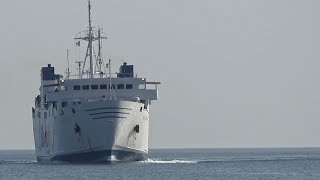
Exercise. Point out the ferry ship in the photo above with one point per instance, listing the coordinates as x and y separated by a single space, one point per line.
95 115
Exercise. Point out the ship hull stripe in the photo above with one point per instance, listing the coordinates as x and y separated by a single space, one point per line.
107 108
108 113
105 117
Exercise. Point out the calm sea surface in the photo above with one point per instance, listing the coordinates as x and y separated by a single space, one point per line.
179 164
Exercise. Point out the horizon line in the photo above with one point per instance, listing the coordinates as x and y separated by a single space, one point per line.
177 148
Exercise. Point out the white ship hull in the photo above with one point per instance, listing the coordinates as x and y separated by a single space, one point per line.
92 116
100 131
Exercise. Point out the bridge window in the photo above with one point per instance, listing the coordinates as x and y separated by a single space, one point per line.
94 87
103 86
85 87
64 104
128 86
113 86
76 87
120 86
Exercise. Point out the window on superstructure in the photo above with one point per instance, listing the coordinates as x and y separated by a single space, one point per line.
103 86
64 104
85 87
128 86
94 87
45 115
39 114
120 86
113 86
77 87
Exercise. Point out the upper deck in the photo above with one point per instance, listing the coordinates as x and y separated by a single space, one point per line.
124 86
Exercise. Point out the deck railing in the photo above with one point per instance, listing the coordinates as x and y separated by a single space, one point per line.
86 75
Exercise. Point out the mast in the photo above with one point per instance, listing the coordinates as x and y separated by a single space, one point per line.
68 69
90 41
111 90
90 35
99 53
79 66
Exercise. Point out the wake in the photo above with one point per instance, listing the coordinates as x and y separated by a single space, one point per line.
174 161
18 162
227 160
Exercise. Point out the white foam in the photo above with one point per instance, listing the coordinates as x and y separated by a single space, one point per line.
174 161
112 158
18 162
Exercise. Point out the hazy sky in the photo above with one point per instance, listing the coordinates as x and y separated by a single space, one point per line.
234 73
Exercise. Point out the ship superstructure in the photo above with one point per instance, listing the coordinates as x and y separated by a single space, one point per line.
93 116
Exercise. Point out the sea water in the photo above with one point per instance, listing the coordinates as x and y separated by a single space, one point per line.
284 163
